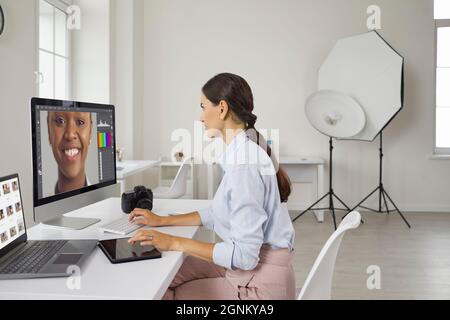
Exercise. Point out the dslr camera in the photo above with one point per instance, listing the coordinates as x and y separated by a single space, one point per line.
140 197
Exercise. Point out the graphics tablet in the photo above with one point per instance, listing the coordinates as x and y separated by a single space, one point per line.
119 250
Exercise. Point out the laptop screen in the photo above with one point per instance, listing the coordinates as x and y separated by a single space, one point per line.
12 224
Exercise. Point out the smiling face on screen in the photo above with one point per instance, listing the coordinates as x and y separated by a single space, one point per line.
69 135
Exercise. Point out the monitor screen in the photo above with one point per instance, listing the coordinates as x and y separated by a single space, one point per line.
73 148
12 224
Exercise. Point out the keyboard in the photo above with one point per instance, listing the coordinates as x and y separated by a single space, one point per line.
120 226
33 257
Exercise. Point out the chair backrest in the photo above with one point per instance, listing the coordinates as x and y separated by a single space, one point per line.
178 187
319 281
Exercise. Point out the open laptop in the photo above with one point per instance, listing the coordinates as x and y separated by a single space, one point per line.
19 258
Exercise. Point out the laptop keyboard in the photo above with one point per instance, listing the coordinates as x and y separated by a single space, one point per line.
33 257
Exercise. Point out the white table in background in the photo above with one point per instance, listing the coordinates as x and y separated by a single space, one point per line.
127 168
306 170
100 279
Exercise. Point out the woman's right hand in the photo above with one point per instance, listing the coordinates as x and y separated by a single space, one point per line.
145 217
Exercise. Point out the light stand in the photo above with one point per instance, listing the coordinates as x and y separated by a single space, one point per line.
330 194
382 192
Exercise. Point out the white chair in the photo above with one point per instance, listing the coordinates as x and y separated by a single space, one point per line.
319 281
178 187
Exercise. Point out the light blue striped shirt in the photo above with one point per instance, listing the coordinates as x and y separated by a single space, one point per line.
246 211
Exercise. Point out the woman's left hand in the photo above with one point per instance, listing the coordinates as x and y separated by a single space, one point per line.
160 241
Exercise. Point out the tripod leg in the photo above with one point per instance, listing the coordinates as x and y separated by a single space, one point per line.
385 202
333 212
359 204
370 209
341 202
310 208
404 219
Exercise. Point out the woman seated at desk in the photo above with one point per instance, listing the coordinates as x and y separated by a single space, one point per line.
254 261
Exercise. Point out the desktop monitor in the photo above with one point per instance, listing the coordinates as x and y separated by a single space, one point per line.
74 159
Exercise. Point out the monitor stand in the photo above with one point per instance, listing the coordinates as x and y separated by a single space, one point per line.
71 223
53 213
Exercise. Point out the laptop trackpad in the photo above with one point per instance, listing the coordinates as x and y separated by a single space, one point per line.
67 258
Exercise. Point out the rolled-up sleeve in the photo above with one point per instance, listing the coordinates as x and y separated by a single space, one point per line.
245 193
207 218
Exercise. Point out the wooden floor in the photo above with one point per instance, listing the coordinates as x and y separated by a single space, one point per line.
414 263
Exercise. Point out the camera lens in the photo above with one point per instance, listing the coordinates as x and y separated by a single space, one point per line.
128 201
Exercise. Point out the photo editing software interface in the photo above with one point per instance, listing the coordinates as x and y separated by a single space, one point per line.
74 148
12 224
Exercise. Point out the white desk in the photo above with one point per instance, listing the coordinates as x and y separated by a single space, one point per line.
306 170
128 168
100 279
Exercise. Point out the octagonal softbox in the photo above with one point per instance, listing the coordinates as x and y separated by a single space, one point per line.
369 70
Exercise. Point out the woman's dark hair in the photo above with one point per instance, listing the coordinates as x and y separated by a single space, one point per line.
236 92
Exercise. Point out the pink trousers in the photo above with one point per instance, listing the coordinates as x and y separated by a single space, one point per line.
272 279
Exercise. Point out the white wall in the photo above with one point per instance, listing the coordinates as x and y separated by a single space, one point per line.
278 47
91 52
122 70
127 81
17 86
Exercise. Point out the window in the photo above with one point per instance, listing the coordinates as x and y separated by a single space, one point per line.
442 17
54 57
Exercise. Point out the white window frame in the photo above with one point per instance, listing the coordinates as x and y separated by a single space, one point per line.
439 23
63 6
